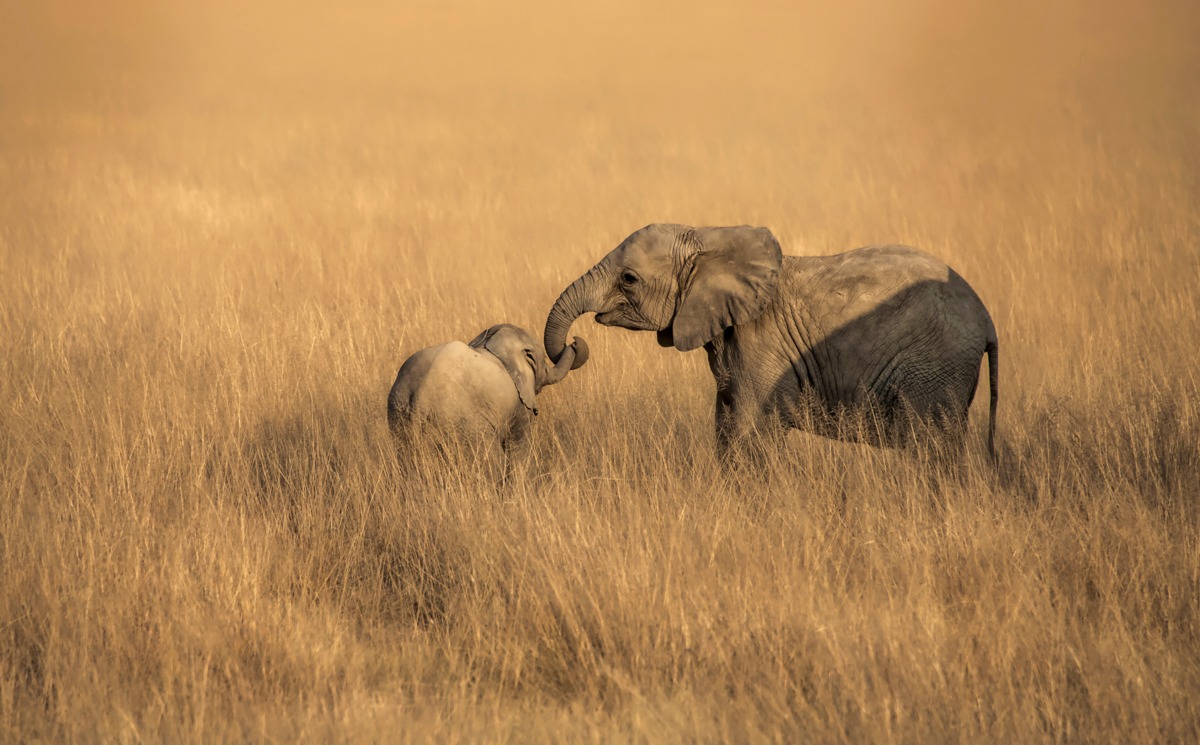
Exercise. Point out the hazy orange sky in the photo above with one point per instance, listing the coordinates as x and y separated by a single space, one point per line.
931 52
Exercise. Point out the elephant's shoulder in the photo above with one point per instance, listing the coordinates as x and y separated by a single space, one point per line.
894 253
895 265
452 351
890 264
458 360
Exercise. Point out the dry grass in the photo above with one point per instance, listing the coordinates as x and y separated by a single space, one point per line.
222 231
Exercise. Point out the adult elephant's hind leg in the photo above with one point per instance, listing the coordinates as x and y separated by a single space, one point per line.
931 410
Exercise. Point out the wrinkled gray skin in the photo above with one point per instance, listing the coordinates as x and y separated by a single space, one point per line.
484 392
798 342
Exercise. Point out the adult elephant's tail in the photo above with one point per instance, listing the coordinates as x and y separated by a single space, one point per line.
993 352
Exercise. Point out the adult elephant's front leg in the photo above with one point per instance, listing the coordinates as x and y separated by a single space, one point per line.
743 434
724 429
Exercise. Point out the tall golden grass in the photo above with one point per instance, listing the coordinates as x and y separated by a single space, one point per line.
222 230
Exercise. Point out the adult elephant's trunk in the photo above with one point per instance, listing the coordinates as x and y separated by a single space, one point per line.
572 358
582 296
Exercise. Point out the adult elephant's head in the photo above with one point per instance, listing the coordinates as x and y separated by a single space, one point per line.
688 284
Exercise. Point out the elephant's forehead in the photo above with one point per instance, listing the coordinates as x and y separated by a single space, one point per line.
646 255
509 332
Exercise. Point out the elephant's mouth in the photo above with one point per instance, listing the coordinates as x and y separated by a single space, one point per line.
619 317
625 318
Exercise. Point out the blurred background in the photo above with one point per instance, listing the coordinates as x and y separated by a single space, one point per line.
543 133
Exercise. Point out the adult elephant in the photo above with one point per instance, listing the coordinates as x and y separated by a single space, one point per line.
885 331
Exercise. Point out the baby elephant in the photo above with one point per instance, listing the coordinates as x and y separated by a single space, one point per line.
484 392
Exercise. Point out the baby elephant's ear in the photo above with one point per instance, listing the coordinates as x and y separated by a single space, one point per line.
509 348
734 274
480 341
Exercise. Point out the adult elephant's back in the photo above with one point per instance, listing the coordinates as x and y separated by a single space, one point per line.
894 325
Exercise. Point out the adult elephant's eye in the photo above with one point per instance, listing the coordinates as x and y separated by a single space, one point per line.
629 279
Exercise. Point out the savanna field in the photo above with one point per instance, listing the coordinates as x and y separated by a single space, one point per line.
223 229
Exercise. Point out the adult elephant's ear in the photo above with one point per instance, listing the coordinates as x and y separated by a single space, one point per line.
732 277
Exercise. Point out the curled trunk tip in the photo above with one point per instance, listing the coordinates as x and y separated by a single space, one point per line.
572 358
581 352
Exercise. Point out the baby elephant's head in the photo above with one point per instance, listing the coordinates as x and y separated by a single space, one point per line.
525 359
